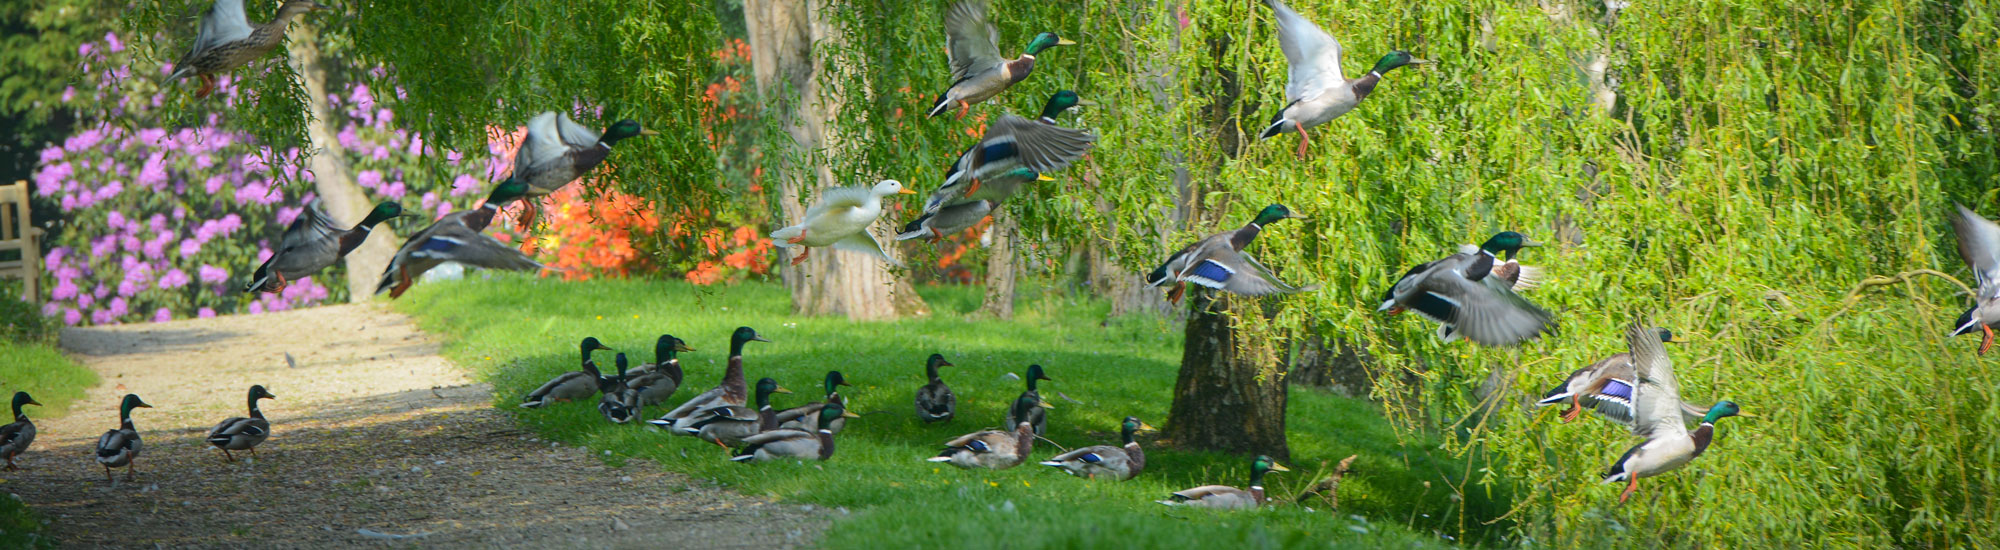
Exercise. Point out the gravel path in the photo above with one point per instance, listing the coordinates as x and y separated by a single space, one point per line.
377 441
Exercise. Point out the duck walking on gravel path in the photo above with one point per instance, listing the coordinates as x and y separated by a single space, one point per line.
243 434
16 437
120 447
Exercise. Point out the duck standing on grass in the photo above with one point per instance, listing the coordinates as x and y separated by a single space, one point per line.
1219 262
226 40
732 390
656 382
935 402
120 447
1225 497
1458 293
243 434
794 444
557 151
572 385
1979 246
1657 404
990 449
1119 463
978 72
457 237
17 436
1036 411
1318 91
311 243
841 220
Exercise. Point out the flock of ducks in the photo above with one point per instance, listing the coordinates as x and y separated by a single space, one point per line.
1472 295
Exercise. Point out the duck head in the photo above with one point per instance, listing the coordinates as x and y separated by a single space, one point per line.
508 191
624 129
765 387
667 347
885 188
1507 242
1273 213
743 335
1045 41
384 211
1394 60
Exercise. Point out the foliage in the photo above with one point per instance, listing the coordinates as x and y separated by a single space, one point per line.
591 237
1103 373
21 526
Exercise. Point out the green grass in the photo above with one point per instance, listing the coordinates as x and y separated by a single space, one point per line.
29 361
517 332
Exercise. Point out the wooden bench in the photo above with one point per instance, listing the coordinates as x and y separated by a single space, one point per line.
19 234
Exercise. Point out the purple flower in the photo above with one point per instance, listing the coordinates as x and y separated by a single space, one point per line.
368 179
127 288
154 174
360 95
158 223
347 139
204 313
53 177
202 162
380 153
50 154
211 274
112 43
256 308
213 184
71 317
163 315
189 248
115 219
253 192
464 185
430 199
395 191
103 246
174 279
84 49
69 94
384 116
64 290
286 214
155 248
55 258
101 317
51 309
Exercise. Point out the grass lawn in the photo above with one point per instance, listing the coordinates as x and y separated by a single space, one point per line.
519 331
29 361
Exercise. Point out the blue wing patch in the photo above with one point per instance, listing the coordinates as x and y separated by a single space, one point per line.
443 245
1000 149
1435 307
1091 458
1209 273
978 446
1617 388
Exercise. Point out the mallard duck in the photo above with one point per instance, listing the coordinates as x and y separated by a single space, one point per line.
1219 262
990 449
935 402
1457 291
226 40
557 151
1657 405
311 243
1119 463
456 238
569 386
1318 91
120 447
615 400
727 425
841 220
1979 246
949 220
1012 152
794 444
803 416
730 392
655 382
1036 413
978 72
16 437
243 434
1606 388
1226 497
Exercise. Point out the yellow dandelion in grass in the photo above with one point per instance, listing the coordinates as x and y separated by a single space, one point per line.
600 317
934 470
991 483
1024 483
635 316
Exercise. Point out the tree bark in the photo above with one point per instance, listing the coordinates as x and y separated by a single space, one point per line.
333 180
999 300
1330 362
1226 399
796 86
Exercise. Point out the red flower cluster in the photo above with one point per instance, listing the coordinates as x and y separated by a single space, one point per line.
586 237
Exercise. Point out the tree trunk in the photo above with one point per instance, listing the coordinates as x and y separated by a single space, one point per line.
1225 399
1330 362
999 300
345 201
804 97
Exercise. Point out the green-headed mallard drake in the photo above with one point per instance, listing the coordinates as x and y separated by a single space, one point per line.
948 220
732 391
802 417
1457 291
990 449
1226 497
572 385
840 219
978 72
1119 463
17 436
655 382
120 447
1979 246
311 243
727 425
1657 405
457 237
935 402
243 434
1036 415
794 444
1219 262
615 401
557 151
226 40
1012 152
1318 91
1605 387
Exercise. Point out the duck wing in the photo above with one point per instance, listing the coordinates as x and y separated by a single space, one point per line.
224 22
971 42
1313 54
1657 403
1979 246
1484 311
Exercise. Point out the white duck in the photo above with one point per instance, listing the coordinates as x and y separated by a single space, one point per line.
841 220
